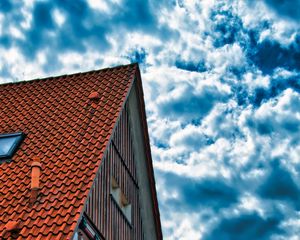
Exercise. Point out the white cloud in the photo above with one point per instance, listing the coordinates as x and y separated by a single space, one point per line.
15 62
229 55
185 228
250 203
99 5
59 17
15 32
255 80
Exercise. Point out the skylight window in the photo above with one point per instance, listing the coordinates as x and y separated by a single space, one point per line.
9 144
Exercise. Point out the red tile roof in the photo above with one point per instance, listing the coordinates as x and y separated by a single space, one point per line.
68 127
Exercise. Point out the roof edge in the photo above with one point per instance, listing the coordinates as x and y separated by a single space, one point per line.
28 81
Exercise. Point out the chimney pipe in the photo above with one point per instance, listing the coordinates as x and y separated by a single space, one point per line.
11 230
35 179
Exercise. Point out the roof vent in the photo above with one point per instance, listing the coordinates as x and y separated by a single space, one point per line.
11 230
35 179
94 96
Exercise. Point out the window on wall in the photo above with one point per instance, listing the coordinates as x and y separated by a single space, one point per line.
87 230
120 199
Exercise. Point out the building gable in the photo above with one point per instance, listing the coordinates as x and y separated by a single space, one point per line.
126 164
68 128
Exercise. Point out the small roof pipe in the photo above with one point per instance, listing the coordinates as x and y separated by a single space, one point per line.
11 230
35 179
94 96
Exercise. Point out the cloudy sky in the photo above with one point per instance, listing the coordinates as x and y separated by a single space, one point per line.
222 90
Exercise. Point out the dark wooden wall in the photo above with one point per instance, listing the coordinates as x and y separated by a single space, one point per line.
118 163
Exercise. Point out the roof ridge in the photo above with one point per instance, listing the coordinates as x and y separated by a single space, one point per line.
68 74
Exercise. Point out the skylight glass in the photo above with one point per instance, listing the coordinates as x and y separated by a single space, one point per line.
9 144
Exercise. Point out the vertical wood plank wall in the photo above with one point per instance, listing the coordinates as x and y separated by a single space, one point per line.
118 163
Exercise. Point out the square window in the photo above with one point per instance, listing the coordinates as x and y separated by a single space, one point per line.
9 144
121 200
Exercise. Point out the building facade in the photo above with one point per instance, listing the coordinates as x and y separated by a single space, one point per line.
81 167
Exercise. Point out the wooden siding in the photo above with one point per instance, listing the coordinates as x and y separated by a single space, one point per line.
101 207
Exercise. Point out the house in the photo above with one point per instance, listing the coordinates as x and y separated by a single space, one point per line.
75 159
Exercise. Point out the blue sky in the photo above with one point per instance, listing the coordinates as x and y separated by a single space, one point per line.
222 90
